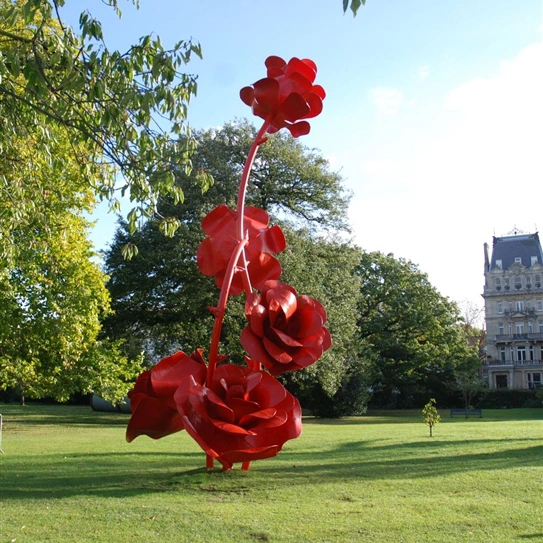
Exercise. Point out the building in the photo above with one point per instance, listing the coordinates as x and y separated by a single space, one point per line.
513 297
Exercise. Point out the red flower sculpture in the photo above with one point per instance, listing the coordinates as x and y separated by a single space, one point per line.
214 252
154 412
240 413
287 94
286 331
243 415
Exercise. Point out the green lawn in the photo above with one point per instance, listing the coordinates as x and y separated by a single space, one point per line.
69 476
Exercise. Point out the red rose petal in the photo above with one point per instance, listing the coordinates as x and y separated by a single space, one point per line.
154 419
276 352
267 92
254 347
299 129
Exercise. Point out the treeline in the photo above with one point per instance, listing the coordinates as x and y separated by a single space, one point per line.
397 340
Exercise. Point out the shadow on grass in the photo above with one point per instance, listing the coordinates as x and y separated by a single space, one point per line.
129 474
75 416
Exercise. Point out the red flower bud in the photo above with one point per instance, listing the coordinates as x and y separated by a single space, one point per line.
286 331
288 94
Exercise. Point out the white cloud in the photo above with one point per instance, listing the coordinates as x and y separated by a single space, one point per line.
386 100
472 169
423 72
379 167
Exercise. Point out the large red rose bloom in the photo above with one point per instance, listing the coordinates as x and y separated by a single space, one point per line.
286 332
243 415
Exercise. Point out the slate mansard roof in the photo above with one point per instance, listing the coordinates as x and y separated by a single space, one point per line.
509 248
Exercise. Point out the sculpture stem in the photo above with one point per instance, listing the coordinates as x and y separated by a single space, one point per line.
238 253
240 208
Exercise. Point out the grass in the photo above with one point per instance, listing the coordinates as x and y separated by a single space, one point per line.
69 476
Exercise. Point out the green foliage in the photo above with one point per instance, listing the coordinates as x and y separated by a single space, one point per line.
325 269
410 331
128 108
160 298
53 296
354 5
469 381
430 416
52 291
507 399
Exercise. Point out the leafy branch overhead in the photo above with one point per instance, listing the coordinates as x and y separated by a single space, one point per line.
354 5
128 107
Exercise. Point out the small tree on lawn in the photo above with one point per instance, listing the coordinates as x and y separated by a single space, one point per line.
430 415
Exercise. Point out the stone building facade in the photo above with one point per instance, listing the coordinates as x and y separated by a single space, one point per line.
513 296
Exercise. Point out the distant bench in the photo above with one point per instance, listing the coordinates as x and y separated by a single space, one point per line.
462 412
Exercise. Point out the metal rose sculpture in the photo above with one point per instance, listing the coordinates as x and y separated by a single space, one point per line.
243 413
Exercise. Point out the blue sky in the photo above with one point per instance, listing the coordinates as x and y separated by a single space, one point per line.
433 115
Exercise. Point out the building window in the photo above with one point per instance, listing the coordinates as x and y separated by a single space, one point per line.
528 282
534 380
499 306
541 330
506 283
532 353
521 354
539 305
519 305
500 329
501 381
530 327
538 281
499 264
519 328
518 260
502 354
509 328
533 260
518 282
498 283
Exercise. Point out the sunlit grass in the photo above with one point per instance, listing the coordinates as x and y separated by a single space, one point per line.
69 476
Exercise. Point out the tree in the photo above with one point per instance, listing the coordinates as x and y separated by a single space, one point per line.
52 291
469 382
128 108
160 298
162 290
325 268
430 415
410 331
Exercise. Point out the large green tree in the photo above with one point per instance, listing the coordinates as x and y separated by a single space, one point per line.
160 298
52 291
128 108
412 333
